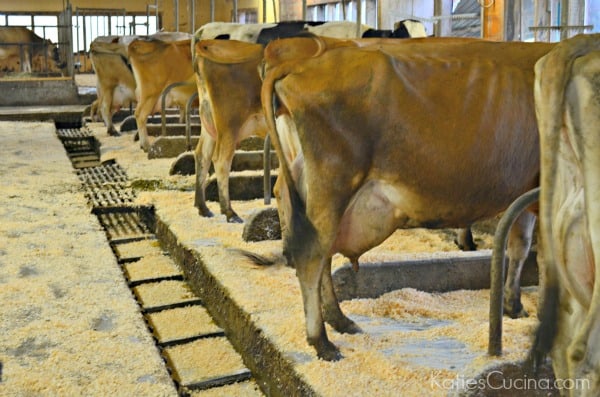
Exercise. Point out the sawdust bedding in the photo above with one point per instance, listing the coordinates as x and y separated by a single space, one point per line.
380 360
375 362
68 325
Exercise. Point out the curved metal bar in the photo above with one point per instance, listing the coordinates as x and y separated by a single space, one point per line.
497 267
163 104
188 122
267 170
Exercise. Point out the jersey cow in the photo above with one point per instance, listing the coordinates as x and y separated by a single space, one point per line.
21 50
115 83
157 62
568 110
229 95
415 135
228 80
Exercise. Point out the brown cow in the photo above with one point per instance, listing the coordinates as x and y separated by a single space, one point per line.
230 111
115 82
424 134
239 111
157 63
567 104
21 50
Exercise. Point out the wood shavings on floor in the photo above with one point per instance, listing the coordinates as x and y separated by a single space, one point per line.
69 325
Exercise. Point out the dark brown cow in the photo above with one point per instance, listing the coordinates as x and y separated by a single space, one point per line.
423 134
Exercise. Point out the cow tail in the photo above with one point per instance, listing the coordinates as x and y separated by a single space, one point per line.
550 82
259 260
302 233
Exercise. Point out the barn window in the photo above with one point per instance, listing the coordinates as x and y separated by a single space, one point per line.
247 15
592 15
335 11
91 23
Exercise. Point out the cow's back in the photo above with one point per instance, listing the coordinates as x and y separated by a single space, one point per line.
18 34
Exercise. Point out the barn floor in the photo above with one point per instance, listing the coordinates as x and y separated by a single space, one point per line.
70 324
414 343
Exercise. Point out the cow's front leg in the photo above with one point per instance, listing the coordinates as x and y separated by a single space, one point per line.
202 158
519 243
332 312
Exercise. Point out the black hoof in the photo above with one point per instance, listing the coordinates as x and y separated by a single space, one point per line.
234 219
205 212
515 310
345 326
328 351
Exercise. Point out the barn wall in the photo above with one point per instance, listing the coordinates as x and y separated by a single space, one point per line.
202 14
201 9
58 5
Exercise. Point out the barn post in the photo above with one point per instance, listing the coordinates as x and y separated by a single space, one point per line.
304 10
192 6
442 26
65 38
176 7
512 20
492 19
358 18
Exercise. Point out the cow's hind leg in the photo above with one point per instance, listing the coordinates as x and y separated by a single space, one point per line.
331 308
309 259
142 111
106 111
310 276
223 157
202 157
519 243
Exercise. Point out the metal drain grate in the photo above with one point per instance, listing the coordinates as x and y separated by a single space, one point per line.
108 173
106 185
129 229
81 146
124 225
